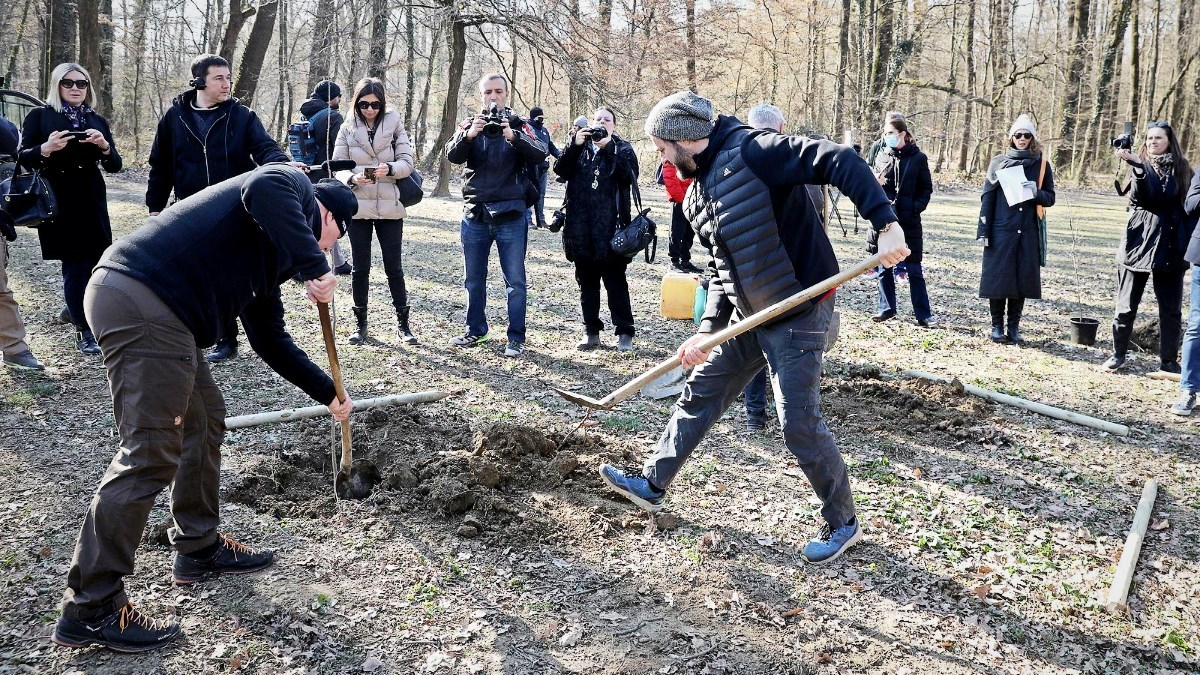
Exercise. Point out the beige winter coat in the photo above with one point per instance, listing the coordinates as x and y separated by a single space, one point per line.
379 200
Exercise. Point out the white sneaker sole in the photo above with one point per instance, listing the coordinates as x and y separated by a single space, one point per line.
641 503
853 540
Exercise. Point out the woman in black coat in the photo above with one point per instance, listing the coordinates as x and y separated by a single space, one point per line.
1010 233
903 171
1153 244
65 140
600 174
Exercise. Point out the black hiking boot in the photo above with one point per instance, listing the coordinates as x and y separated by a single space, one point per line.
86 342
359 336
406 334
229 558
222 351
998 335
125 630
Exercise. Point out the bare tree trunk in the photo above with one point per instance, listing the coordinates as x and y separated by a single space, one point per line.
322 44
944 151
379 25
233 30
1180 110
246 84
964 147
15 50
1077 27
839 97
689 8
458 56
63 26
410 76
284 81
881 59
1100 100
423 112
1132 113
1001 23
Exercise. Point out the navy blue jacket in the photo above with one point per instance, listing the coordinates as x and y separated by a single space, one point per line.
8 138
223 252
182 161
497 171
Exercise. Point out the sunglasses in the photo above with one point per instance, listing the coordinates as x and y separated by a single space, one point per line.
1021 135
73 84
370 105
1158 125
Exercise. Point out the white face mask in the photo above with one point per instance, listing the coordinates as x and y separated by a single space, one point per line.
891 141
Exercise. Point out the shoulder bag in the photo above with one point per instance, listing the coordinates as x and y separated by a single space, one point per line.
28 200
1041 216
639 235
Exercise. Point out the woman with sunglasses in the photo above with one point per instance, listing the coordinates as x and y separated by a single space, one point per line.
65 140
1153 243
375 139
1010 233
601 174
903 172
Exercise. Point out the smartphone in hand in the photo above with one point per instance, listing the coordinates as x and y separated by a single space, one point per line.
369 172
78 135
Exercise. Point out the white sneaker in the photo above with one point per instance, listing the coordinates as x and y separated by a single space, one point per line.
514 349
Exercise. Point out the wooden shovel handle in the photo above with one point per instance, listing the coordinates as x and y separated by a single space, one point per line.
335 371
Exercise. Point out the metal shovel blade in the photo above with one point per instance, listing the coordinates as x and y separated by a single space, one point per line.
586 401
359 482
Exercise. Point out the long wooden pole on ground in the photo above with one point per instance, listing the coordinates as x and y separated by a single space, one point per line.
1119 593
1032 406
243 421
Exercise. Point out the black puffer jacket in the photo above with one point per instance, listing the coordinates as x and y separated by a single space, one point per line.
182 161
598 197
223 252
762 251
909 186
497 170
1158 230
1012 258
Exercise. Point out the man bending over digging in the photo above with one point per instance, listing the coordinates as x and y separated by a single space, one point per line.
761 254
157 297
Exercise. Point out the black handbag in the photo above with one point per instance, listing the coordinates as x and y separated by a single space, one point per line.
28 200
639 235
410 189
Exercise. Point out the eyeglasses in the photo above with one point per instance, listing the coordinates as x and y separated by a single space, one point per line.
1022 136
370 105
73 84
1158 125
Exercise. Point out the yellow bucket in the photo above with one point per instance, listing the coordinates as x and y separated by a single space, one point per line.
679 294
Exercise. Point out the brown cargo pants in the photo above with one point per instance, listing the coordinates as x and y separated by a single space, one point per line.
12 330
171 420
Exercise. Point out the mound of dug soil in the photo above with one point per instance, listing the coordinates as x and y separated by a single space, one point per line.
917 404
430 462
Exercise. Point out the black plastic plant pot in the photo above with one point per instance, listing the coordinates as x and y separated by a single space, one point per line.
1083 330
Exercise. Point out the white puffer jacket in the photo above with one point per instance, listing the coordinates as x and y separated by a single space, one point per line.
379 200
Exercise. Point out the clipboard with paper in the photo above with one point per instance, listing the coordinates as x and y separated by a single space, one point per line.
1012 181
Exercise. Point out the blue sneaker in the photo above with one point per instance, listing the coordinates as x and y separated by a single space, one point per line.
830 544
634 487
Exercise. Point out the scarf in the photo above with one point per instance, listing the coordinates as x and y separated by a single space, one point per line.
77 115
1011 157
1164 164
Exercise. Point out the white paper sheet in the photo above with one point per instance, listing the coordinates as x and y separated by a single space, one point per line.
1010 180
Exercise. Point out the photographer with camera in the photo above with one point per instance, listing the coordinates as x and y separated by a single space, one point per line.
500 152
69 142
601 169
537 119
1153 243
1010 232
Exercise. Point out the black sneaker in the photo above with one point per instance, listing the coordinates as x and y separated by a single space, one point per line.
1171 367
756 422
343 270
223 351
23 361
86 343
125 630
1114 363
229 558
686 267
884 316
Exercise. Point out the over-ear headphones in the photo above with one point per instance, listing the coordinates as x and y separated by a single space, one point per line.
198 83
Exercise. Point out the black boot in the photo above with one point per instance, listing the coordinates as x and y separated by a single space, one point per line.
997 310
359 336
406 335
1015 307
85 341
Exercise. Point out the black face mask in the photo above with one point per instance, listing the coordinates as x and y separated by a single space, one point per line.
537 124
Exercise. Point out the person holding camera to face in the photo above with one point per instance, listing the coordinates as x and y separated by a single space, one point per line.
1010 232
500 152
1153 243
601 169
205 137
375 139
69 142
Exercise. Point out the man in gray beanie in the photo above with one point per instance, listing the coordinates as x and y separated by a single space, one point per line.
762 252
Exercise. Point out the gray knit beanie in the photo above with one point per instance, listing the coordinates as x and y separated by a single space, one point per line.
682 116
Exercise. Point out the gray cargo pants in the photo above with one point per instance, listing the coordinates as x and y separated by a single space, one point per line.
171 420
792 348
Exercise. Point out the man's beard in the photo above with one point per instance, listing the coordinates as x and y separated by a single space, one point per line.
685 164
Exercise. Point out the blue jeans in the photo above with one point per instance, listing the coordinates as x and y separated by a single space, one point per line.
1190 379
916 287
755 395
511 237
793 347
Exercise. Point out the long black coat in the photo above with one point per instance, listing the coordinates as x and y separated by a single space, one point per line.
81 231
1012 259
599 196
1157 233
909 186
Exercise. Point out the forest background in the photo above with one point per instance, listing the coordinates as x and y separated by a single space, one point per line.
961 69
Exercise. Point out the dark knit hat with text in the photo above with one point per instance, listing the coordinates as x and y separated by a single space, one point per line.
682 116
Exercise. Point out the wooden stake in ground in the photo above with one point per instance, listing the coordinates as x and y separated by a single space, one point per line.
1119 593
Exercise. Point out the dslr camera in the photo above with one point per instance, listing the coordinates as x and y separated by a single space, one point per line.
1125 140
598 133
495 119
